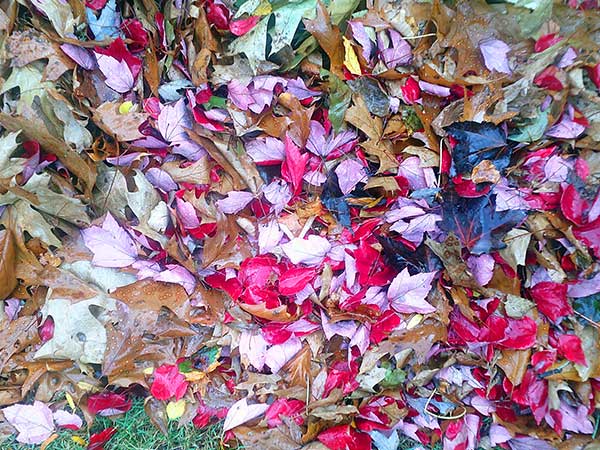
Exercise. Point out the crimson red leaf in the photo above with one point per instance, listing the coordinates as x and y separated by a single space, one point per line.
294 280
551 299
344 437
242 26
168 383
108 403
569 346
284 407
573 206
294 166
97 440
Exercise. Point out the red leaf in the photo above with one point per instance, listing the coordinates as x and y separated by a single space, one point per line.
532 392
551 299
388 321
283 407
242 26
573 206
411 92
466 188
108 403
96 5
294 280
590 235
292 169
168 383
547 79
97 440
569 346
342 375
520 333
46 330
134 30
217 14
118 50
343 437
594 74
546 41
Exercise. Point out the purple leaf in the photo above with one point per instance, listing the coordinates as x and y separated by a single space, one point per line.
161 179
266 150
359 33
349 172
83 57
235 202
399 52
111 245
279 354
117 73
407 292
33 422
566 127
494 53
482 268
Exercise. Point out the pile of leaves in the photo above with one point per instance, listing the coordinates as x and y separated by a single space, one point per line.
329 225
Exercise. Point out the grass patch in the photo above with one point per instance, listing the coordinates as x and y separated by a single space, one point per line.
134 432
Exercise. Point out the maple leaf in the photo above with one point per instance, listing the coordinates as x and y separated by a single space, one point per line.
477 223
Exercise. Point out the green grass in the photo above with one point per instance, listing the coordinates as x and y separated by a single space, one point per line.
135 432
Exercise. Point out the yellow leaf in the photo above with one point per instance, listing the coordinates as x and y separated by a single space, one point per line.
194 375
70 401
79 441
148 371
125 107
175 409
350 58
263 9
414 321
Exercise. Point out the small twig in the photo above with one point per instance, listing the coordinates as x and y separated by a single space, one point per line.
438 416
594 323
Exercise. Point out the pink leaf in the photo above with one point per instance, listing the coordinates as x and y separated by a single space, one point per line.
294 166
111 245
168 383
235 202
407 292
33 422
307 251
242 26
118 74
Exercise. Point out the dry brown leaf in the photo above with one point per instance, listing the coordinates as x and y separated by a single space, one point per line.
297 370
123 126
8 253
76 163
329 38
514 364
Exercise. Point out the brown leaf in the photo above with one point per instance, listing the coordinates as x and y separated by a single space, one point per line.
299 127
237 164
514 364
196 173
329 38
16 336
152 72
123 126
297 370
265 438
77 164
8 254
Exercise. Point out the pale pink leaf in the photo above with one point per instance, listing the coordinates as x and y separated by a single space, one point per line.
235 202
280 354
407 292
310 251
111 245
495 53
482 268
33 422
349 172
118 74
66 419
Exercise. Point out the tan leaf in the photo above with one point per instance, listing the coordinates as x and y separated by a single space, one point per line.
8 278
69 157
297 369
329 38
196 173
123 126
514 364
